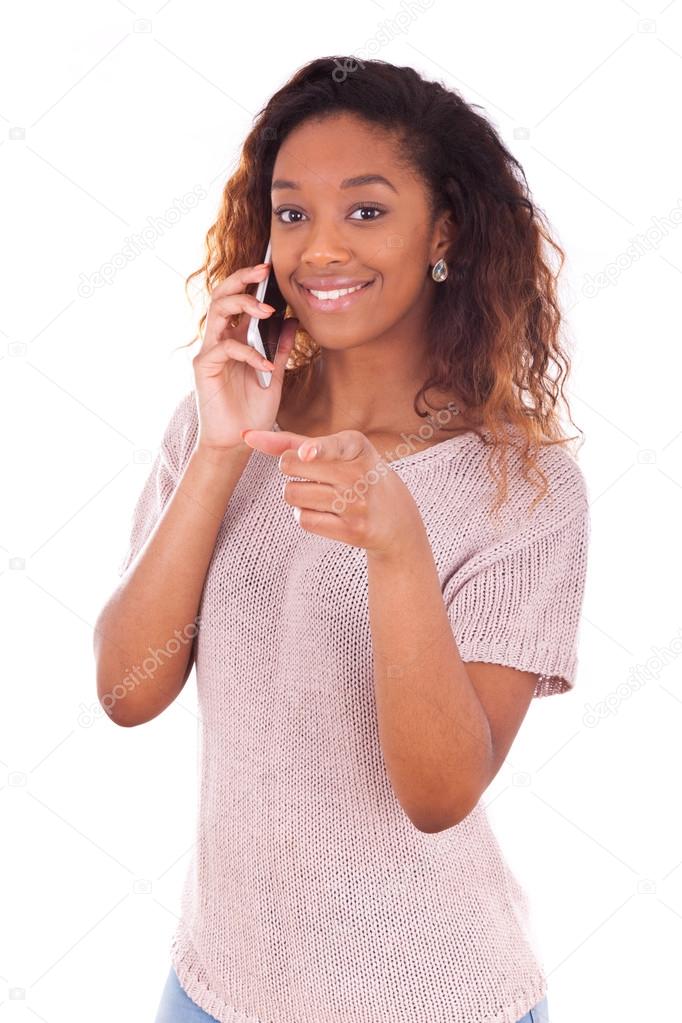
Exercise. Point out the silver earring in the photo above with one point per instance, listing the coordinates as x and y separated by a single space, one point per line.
440 270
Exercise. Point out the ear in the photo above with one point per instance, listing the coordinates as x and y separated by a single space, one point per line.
444 233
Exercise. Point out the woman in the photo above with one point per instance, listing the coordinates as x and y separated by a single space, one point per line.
376 614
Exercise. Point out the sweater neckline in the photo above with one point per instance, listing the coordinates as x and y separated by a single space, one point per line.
433 452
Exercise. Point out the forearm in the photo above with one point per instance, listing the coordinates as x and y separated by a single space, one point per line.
156 604
434 733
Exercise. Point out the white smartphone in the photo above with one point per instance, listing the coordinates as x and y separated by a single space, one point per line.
263 334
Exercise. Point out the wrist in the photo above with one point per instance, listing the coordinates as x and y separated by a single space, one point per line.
210 454
410 546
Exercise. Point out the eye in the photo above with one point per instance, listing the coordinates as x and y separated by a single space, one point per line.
374 209
365 206
285 209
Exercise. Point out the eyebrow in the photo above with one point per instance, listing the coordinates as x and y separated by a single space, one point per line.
361 179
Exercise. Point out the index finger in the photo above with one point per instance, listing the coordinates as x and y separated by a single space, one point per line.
236 282
344 446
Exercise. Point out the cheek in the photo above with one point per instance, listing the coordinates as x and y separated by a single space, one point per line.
403 282
293 295
401 260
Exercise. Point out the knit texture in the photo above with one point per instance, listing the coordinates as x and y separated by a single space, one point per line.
310 896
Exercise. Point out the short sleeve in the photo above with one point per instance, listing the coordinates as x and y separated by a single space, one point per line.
522 605
162 478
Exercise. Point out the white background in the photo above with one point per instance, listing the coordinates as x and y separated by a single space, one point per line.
106 119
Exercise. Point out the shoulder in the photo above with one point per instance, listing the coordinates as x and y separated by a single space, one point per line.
563 507
567 487
545 492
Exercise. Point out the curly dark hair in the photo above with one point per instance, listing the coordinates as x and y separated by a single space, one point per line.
494 326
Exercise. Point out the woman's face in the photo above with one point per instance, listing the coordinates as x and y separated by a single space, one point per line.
374 233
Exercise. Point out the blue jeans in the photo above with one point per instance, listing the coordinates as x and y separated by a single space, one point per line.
177 1007
538 1014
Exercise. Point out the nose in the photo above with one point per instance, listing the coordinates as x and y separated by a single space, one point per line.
325 246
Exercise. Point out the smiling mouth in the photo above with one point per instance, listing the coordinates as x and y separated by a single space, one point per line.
332 299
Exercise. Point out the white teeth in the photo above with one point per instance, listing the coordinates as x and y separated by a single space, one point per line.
335 294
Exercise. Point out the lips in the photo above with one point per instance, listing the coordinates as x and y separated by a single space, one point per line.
331 283
335 304
352 289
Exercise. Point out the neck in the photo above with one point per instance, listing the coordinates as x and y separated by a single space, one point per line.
348 389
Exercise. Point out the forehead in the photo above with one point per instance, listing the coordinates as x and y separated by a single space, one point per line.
326 152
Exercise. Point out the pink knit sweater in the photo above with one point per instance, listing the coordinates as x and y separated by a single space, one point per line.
310 896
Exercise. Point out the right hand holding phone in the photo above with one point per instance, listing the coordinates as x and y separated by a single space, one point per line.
229 396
